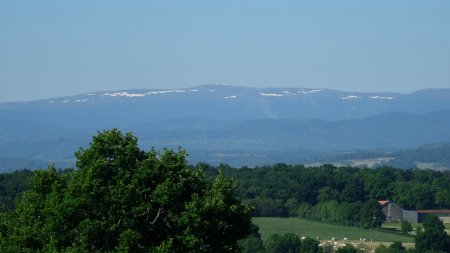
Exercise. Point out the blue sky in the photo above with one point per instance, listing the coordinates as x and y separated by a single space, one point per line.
57 48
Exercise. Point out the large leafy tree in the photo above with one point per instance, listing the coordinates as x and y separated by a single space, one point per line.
371 215
124 199
434 238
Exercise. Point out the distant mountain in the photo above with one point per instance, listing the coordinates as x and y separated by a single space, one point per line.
132 107
220 123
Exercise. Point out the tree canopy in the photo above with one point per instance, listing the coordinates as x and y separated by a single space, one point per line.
123 199
339 195
434 237
283 243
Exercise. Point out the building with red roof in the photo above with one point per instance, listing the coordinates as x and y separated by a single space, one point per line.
395 213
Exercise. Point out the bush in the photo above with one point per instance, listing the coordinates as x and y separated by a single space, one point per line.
283 243
406 227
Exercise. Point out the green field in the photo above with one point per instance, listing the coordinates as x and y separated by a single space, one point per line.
396 226
268 226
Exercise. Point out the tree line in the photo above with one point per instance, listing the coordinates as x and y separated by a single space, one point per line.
339 195
332 194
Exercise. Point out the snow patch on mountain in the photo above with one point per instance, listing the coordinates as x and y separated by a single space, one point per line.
302 91
288 93
81 100
380 97
351 97
169 91
132 95
271 94
164 92
122 94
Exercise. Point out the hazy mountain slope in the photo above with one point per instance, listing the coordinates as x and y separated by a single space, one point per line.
273 139
219 123
433 156
30 140
388 131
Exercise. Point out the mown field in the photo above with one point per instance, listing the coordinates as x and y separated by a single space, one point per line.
268 226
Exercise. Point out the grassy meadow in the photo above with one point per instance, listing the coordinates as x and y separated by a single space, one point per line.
269 225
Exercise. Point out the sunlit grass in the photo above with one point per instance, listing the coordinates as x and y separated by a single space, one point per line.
268 226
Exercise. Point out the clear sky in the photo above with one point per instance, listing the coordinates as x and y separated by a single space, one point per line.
56 48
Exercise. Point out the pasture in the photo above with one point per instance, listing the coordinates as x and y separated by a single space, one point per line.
269 225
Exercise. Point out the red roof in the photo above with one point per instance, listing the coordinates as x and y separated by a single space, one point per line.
383 202
434 211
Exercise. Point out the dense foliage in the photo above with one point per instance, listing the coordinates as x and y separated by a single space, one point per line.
434 238
13 185
280 190
395 247
283 243
290 243
405 227
339 195
362 214
122 199
291 190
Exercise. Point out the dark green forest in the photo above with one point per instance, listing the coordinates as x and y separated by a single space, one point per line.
12 185
340 195
332 194
289 184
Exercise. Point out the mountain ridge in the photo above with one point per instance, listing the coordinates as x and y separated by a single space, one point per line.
229 121
211 88
220 102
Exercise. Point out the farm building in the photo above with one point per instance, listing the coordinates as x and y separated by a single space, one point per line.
395 213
